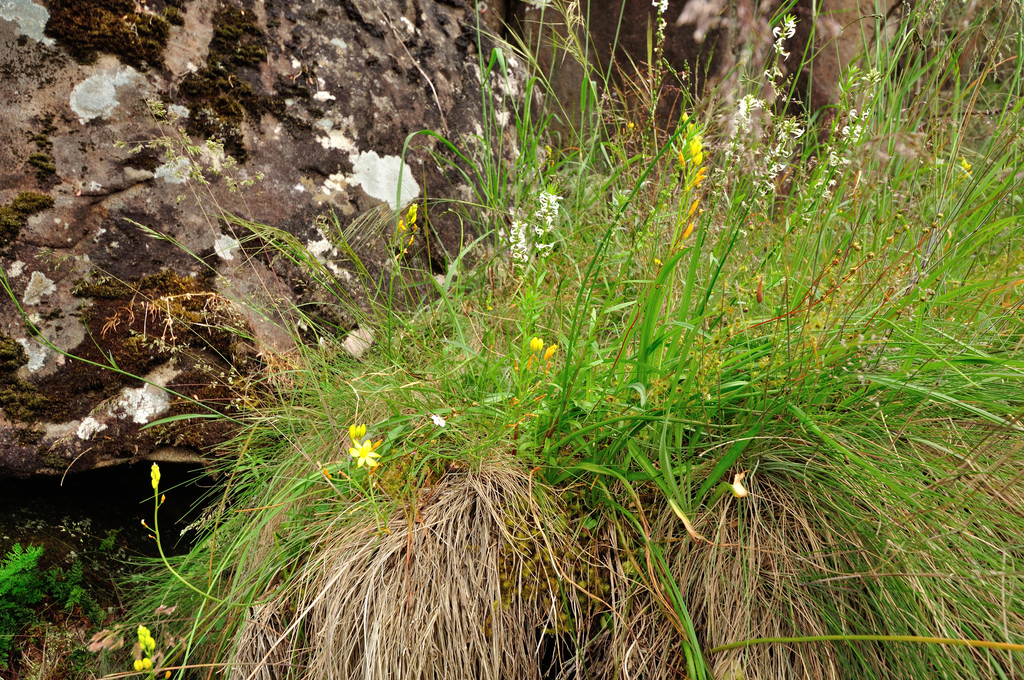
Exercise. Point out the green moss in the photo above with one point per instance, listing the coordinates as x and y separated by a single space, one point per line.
20 399
173 15
87 27
27 436
219 94
14 215
12 355
42 141
102 287
43 164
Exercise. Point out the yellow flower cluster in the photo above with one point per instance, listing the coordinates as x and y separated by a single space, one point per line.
146 642
536 345
154 474
694 173
408 227
363 450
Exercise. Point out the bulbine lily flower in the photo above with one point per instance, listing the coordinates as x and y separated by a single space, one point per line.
365 455
536 345
738 490
551 352
154 474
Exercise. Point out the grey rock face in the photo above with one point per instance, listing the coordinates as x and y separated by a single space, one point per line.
317 98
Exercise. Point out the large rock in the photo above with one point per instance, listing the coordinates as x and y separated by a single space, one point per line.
316 97
704 42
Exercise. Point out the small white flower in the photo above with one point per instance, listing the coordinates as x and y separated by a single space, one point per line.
783 33
438 420
520 242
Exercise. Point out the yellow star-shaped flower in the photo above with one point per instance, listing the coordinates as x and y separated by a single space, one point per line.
364 454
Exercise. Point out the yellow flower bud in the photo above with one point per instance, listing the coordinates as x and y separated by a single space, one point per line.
147 663
536 344
551 352
137 665
154 473
738 490
356 433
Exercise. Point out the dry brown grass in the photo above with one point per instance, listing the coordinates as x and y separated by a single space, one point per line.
735 589
444 593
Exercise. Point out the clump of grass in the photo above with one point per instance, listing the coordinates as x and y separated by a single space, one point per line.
773 374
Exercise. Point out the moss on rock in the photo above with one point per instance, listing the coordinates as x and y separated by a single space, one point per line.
20 399
219 94
14 215
87 27
43 164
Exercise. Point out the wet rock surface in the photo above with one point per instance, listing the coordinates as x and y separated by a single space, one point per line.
315 98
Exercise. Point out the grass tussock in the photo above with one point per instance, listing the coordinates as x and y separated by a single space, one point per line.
428 597
751 377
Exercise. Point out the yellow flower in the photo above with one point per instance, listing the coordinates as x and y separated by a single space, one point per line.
146 641
689 230
365 455
154 474
138 664
551 352
698 179
696 149
657 262
965 165
411 215
536 344
356 433
147 663
693 208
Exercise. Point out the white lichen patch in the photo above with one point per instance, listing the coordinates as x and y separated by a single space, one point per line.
36 354
96 96
31 18
323 96
37 287
90 427
337 139
336 182
142 404
379 178
223 245
16 269
179 111
322 248
175 171
339 43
